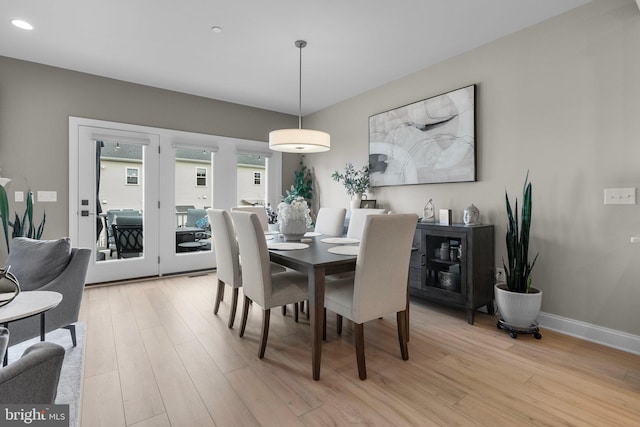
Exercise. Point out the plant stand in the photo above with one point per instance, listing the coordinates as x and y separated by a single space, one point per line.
515 330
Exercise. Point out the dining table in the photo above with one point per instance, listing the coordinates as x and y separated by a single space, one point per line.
316 262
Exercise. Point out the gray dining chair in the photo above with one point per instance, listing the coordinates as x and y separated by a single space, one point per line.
330 221
259 283
379 285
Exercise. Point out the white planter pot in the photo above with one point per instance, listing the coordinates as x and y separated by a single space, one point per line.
517 309
293 229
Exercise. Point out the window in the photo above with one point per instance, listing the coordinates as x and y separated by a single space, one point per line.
201 177
132 175
257 178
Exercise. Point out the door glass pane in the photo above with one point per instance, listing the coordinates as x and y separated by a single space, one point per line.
120 200
251 176
193 195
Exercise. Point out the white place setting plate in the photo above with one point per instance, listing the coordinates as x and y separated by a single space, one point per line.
271 232
340 240
286 246
344 250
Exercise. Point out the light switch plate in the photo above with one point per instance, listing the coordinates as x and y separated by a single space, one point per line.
619 196
47 196
19 196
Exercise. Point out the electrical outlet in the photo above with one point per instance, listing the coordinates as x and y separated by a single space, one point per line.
500 275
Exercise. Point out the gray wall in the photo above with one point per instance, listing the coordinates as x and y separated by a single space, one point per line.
560 99
36 102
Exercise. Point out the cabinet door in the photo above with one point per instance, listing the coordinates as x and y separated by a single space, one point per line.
445 266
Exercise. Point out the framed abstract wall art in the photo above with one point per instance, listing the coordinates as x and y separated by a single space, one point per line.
429 141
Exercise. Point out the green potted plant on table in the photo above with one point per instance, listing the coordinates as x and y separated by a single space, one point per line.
355 181
518 302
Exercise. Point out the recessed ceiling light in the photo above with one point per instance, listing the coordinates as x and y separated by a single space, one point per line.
22 24
216 29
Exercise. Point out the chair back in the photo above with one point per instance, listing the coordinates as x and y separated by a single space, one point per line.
258 210
330 221
382 268
357 220
254 256
128 239
226 247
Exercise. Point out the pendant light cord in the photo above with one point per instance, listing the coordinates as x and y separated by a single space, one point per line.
300 44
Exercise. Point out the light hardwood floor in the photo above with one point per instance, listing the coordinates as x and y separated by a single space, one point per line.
156 355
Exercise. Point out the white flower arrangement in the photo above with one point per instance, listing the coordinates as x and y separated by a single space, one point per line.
296 210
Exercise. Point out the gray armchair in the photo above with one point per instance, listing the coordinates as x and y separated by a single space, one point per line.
49 265
34 377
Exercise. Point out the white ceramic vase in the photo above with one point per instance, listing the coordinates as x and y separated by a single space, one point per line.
518 309
355 201
293 229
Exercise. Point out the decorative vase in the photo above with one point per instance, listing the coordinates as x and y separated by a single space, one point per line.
355 201
293 229
518 309
9 286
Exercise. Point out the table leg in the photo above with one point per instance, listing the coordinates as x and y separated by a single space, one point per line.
316 308
5 360
42 326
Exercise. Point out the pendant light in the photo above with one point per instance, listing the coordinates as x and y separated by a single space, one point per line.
299 140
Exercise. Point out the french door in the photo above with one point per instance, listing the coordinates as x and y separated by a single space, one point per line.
138 195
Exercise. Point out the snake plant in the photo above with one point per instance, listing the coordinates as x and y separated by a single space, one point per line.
4 214
518 270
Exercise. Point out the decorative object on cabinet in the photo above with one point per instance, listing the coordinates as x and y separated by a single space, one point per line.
428 141
471 215
428 212
368 204
518 302
466 281
445 216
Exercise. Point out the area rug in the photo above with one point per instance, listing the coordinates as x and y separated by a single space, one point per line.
70 384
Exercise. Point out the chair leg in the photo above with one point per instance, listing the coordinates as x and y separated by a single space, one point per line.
219 296
295 312
266 315
359 336
245 314
284 310
339 324
401 318
72 330
234 303
302 306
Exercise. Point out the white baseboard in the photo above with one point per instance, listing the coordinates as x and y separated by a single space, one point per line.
586 331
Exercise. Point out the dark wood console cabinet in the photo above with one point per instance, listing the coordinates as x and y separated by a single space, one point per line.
464 281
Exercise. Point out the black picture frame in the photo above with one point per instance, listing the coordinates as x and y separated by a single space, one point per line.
428 141
368 204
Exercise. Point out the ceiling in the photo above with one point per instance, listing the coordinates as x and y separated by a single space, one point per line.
353 45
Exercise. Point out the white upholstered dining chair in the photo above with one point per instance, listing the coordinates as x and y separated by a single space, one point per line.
228 266
258 210
330 221
379 285
227 261
260 284
357 220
